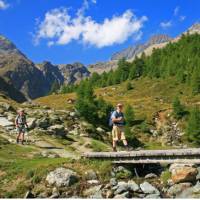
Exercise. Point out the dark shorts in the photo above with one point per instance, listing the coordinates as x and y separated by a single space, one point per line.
21 129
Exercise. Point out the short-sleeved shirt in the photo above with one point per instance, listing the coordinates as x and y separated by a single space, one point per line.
21 120
116 115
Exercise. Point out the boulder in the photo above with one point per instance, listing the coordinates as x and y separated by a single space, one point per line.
72 114
147 188
57 130
90 175
121 187
113 181
100 130
132 186
31 122
109 194
74 132
54 119
92 191
150 176
43 123
183 173
198 175
152 196
93 182
177 189
6 107
29 195
124 195
62 177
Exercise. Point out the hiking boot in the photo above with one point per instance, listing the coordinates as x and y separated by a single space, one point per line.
22 142
114 149
17 141
128 148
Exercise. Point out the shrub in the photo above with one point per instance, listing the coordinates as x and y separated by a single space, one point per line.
178 108
129 86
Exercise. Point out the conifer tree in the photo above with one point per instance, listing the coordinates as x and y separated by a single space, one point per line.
178 108
193 128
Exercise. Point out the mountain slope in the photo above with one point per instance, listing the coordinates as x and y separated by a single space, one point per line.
34 80
155 42
19 71
10 91
129 54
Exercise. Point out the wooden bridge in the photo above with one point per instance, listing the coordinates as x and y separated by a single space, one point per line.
191 155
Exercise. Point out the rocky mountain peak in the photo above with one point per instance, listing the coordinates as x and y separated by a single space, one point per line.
195 28
7 47
157 39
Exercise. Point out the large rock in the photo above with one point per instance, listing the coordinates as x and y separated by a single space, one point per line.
6 107
177 189
183 173
57 130
31 122
124 195
132 186
93 191
62 177
43 123
121 187
191 192
90 175
147 188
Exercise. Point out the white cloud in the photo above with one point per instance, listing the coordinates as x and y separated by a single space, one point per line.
94 1
182 18
166 24
58 27
3 5
176 10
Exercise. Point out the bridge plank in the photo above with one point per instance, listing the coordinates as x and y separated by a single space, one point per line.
153 161
143 153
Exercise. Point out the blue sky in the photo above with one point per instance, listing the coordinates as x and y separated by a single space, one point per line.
66 31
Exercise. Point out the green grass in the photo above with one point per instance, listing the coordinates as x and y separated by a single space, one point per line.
21 169
98 146
165 176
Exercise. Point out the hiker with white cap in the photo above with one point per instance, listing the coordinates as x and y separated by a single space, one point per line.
21 125
118 122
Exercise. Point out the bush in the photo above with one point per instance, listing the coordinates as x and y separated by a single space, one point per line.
89 107
144 127
129 115
36 179
193 128
178 108
30 174
129 86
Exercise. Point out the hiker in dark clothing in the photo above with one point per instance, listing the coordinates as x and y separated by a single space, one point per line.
21 126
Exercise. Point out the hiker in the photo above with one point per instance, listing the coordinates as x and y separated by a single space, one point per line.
21 126
118 121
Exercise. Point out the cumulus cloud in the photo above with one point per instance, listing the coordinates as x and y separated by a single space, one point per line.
3 5
59 27
166 24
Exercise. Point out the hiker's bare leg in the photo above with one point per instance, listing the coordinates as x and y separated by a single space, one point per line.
125 142
114 145
22 137
18 137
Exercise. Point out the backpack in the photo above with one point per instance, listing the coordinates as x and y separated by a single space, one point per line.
110 122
